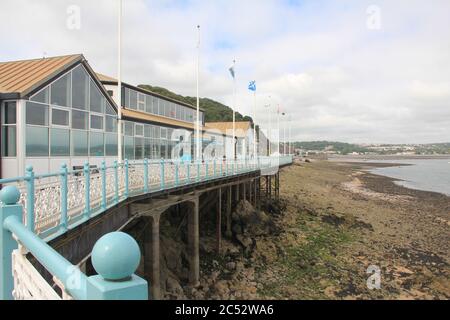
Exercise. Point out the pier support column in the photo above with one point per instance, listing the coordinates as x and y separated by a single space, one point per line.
219 222
244 187
193 243
258 191
152 256
228 231
255 198
237 193
250 192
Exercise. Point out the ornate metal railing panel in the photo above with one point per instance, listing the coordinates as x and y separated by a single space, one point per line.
55 202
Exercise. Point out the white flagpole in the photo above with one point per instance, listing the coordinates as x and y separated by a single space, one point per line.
119 86
234 109
254 125
197 129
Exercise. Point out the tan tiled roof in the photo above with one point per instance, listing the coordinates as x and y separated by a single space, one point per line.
241 127
25 75
104 78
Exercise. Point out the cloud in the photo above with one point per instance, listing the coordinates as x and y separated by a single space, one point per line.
335 78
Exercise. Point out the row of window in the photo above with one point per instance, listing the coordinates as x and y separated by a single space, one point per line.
147 103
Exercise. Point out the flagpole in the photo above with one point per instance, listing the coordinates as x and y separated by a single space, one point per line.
119 86
279 135
254 125
198 97
234 109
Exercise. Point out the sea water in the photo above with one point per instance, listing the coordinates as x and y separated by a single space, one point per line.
420 174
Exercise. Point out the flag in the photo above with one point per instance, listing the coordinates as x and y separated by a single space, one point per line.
252 86
231 69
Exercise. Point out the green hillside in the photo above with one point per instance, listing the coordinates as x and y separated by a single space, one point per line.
339 147
214 111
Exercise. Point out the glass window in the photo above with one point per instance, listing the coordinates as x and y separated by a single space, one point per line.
59 142
9 113
157 131
163 133
126 98
129 148
79 143
37 141
41 96
149 104
96 148
141 102
60 91
109 109
60 117
147 148
96 122
79 120
155 105
139 130
96 99
138 148
110 124
147 131
128 128
80 88
110 144
133 100
9 140
37 114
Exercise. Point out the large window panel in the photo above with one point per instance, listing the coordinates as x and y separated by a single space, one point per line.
149 104
138 148
110 124
9 141
109 109
96 144
59 142
60 91
79 143
80 119
60 117
148 148
37 142
155 105
96 122
9 113
128 128
80 88
148 131
37 114
133 99
129 148
97 101
110 144
141 102
139 129
41 96
126 98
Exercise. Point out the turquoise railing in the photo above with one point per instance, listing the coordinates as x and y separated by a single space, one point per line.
56 202
115 257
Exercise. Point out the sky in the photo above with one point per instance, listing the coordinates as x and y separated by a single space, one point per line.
343 70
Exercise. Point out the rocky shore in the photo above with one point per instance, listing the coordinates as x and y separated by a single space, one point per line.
332 223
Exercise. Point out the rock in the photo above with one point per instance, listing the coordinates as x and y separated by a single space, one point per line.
246 242
231 266
174 286
221 288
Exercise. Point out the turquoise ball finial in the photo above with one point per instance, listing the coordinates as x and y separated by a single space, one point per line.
9 195
116 256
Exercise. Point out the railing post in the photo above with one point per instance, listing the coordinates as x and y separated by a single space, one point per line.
116 257
127 182
87 189
162 174
176 174
146 175
63 222
103 170
30 197
116 182
9 197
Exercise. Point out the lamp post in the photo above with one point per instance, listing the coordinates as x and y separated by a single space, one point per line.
119 86
197 126
284 133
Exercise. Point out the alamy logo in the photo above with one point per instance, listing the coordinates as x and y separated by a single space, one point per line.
374 19
73 21
374 280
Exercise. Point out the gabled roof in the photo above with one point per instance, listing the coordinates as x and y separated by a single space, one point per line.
241 127
22 77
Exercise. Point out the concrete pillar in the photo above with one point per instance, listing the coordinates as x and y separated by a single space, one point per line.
244 187
237 192
219 221
152 256
228 231
255 199
193 243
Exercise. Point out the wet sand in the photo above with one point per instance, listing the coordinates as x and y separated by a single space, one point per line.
340 220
